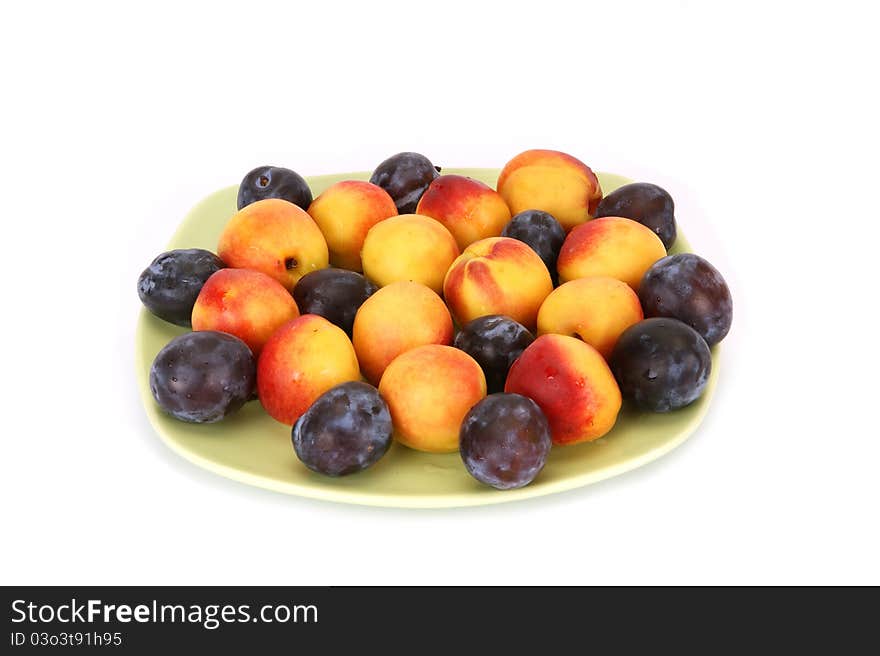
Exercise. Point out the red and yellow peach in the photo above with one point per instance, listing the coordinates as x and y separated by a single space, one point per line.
497 275
571 383
247 304
470 209
274 237
303 359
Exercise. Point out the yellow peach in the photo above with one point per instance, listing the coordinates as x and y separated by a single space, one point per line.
429 390
345 212
595 309
551 181
409 247
611 246
395 319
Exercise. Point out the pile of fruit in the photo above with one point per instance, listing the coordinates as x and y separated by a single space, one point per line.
438 312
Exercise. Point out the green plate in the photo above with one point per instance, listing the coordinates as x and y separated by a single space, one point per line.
253 448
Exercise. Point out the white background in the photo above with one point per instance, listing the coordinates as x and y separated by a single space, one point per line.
761 120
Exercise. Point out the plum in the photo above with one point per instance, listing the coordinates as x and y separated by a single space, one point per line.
274 182
171 284
203 377
504 441
543 233
494 341
686 287
661 364
405 176
646 203
346 430
335 294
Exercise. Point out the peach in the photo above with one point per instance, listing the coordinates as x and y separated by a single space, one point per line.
551 181
596 309
470 209
247 304
498 275
395 319
571 383
345 212
611 246
274 237
429 390
409 247
303 359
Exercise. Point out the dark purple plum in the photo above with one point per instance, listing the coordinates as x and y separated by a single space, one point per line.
494 341
203 377
346 430
170 285
405 176
686 287
542 232
335 294
504 441
274 182
661 364
646 203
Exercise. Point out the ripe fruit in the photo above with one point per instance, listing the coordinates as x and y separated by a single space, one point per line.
661 364
302 360
170 285
346 429
345 212
498 275
595 309
429 390
276 238
542 233
686 287
274 182
571 383
495 342
505 440
646 203
470 209
203 377
335 294
553 182
395 319
409 247
613 246
247 304
405 176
